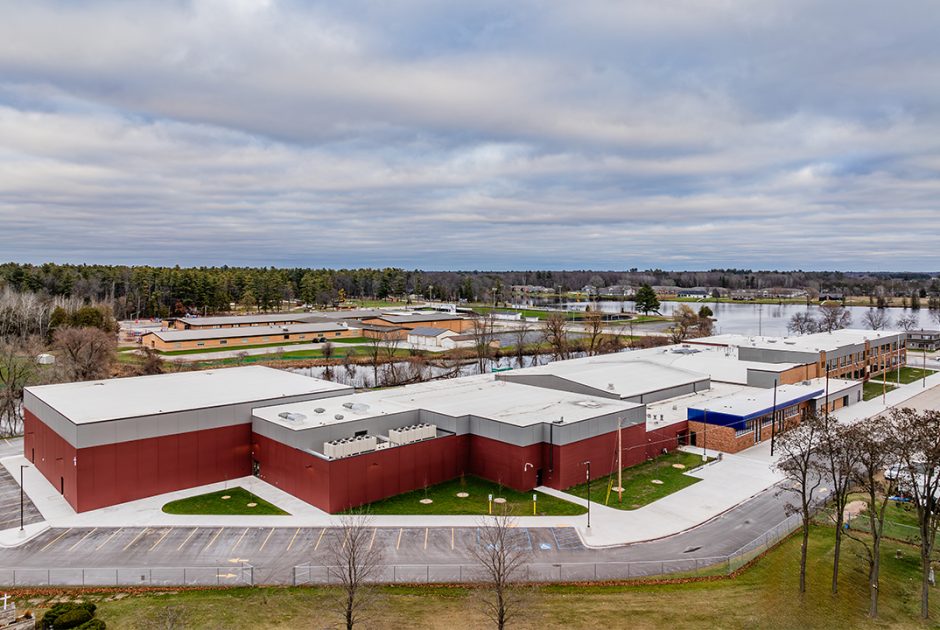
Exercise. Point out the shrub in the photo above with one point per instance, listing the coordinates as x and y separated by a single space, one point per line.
72 619
94 624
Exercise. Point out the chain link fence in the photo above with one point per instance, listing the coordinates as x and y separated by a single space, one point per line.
240 575
566 571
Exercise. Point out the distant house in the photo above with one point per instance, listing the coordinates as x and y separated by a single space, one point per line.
618 290
928 340
436 339
696 292
509 316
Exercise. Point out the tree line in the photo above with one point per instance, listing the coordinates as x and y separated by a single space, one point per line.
151 291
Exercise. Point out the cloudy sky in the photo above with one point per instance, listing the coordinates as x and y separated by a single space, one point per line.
482 135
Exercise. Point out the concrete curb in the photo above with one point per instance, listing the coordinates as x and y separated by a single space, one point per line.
10 538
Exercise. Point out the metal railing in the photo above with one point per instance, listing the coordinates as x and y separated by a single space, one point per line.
240 575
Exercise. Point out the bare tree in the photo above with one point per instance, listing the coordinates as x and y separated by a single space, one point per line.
876 319
594 325
907 322
355 563
502 559
833 317
482 331
687 324
556 335
917 439
391 375
326 350
802 323
838 456
152 363
520 336
374 350
875 452
86 353
18 369
797 465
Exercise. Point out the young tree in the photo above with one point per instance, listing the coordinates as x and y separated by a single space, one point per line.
556 335
152 363
85 353
594 326
917 439
797 465
646 300
837 460
326 350
876 319
520 336
833 317
502 559
875 452
802 323
355 563
482 331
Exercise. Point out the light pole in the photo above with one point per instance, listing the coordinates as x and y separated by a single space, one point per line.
22 466
588 474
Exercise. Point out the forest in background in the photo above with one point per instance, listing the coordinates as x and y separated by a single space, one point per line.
145 291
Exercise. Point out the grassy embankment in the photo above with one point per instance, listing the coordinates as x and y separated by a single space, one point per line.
762 596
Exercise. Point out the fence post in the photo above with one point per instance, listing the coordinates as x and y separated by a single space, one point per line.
117 578
427 576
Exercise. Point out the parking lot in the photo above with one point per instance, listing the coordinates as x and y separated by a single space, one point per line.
273 551
10 503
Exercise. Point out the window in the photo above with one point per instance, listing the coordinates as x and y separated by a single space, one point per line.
286 336
302 337
200 343
223 342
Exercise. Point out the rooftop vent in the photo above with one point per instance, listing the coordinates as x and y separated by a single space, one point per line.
292 416
348 405
590 404
338 416
319 410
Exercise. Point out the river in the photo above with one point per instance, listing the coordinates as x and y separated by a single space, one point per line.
760 319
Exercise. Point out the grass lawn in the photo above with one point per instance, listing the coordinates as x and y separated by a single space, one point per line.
213 503
638 486
351 340
763 596
908 375
446 501
874 389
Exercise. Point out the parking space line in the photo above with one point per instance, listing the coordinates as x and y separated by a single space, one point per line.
238 542
261 548
317 546
426 530
108 539
191 534
372 542
156 544
136 538
400 530
55 540
206 548
291 543
72 548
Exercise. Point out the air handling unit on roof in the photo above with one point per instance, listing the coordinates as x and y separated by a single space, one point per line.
412 433
347 447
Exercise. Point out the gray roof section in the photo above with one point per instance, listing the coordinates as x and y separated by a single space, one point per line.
423 331
420 317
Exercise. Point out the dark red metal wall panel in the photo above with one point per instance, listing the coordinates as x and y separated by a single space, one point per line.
115 473
53 456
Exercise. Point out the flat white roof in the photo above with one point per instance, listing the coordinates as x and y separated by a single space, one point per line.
245 331
112 399
481 396
620 373
816 342
753 400
243 320
720 363
663 413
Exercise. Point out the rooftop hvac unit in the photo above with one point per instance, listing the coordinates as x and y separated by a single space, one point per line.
348 405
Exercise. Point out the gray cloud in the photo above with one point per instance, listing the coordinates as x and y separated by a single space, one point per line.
490 135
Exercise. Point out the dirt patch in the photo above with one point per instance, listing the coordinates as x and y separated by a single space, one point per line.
853 509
